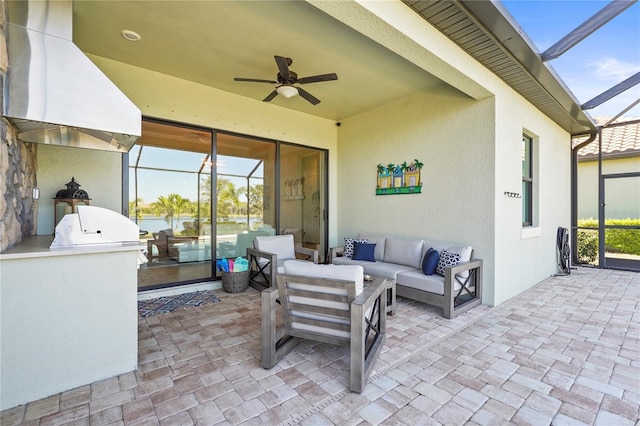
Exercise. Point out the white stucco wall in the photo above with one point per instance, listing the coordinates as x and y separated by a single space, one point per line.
513 262
526 256
98 172
452 135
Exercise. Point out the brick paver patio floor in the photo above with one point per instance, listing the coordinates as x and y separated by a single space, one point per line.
566 352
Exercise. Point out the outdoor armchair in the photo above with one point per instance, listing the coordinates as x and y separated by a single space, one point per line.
268 255
325 303
163 241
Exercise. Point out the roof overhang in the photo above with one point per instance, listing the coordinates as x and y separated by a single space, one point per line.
487 32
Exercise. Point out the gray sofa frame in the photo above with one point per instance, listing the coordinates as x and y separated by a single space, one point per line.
453 302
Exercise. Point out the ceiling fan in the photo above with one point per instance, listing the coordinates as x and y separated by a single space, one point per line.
286 80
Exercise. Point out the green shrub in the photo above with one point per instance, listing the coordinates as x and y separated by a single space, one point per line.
587 250
616 240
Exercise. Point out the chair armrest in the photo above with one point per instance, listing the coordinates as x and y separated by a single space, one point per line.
150 244
465 266
471 286
335 252
262 275
368 332
272 257
451 271
370 294
311 254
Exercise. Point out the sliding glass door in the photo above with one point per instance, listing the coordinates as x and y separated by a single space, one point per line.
302 196
268 188
245 208
199 195
170 200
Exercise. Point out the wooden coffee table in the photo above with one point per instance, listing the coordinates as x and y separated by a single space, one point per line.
391 291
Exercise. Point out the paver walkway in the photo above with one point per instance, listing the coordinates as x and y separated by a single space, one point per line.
566 352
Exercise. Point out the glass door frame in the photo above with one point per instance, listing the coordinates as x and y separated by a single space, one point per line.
603 260
213 154
278 190
126 185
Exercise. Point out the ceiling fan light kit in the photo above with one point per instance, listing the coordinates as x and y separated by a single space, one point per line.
287 91
287 78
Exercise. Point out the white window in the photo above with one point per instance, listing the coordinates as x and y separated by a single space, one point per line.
528 181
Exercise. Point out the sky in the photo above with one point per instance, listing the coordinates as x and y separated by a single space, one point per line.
605 58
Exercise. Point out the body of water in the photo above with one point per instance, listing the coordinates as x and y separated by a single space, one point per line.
158 223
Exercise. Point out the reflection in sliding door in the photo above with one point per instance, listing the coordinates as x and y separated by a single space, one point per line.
245 172
170 200
302 195
177 188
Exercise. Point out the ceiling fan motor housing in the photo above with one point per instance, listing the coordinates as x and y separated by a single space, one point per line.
293 78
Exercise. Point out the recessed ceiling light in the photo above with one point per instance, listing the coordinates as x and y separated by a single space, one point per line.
130 35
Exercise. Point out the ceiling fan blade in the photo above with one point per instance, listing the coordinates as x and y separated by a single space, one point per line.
283 66
317 78
270 96
255 80
308 96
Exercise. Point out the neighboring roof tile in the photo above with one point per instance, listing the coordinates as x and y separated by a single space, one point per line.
616 140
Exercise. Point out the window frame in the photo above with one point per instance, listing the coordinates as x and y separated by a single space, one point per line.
528 181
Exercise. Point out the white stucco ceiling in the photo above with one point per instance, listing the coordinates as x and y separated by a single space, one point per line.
211 42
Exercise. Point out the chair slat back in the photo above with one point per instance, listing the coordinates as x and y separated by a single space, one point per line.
316 308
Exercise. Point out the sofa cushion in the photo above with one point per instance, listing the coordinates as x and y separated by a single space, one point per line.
430 261
419 281
404 252
436 245
349 245
363 251
385 269
463 251
378 269
379 241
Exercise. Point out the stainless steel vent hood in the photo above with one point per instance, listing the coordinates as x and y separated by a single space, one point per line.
54 93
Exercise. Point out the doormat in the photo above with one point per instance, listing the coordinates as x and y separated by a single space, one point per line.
162 305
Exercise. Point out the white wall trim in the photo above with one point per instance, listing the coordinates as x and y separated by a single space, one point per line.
531 232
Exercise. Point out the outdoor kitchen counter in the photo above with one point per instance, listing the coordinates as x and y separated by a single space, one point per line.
38 246
68 317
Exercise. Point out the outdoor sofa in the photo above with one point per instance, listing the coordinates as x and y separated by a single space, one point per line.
456 289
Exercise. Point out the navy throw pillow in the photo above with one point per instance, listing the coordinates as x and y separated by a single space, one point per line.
364 251
430 261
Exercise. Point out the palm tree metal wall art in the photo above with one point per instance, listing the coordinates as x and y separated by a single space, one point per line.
399 178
